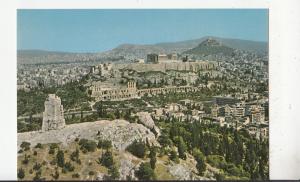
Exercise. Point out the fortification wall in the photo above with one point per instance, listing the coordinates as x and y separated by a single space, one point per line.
163 67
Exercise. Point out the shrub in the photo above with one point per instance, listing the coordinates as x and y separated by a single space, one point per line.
217 161
138 148
107 159
75 156
91 173
52 148
21 173
145 172
26 159
51 151
200 159
87 145
105 144
39 145
69 167
114 172
152 156
60 158
37 166
75 175
25 146
173 156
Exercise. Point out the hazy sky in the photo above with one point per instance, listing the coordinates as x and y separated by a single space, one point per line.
100 30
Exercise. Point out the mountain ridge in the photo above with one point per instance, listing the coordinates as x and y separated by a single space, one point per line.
133 51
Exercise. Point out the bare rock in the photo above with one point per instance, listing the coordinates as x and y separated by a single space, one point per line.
120 132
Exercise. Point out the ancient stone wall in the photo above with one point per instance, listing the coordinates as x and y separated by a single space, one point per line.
163 67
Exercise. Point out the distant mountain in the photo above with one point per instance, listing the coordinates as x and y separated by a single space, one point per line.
210 47
41 56
133 51
246 45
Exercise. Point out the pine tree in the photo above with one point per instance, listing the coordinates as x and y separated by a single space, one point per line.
174 156
152 156
60 158
21 173
145 172
200 159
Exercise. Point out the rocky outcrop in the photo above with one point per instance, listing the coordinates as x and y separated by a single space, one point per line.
120 132
180 172
146 119
183 172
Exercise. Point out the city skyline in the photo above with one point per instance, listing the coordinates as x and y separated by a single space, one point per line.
78 30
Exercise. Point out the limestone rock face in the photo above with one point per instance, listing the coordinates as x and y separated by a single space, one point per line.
180 172
120 132
53 116
146 119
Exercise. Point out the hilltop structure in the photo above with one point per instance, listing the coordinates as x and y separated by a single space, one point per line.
53 116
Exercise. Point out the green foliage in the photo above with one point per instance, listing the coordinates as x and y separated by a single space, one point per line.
60 158
220 176
217 161
87 145
152 156
138 148
200 159
75 175
25 146
37 166
33 125
145 172
21 173
174 156
164 140
52 148
39 145
75 156
107 159
91 173
235 152
104 144
182 148
37 176
69 167
114 172
73 95
26 159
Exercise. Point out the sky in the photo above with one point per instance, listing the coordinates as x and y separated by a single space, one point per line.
100 30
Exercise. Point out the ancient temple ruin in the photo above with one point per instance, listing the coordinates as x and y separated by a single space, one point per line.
53 116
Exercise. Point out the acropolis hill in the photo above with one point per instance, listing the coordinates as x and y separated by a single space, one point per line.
102 92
